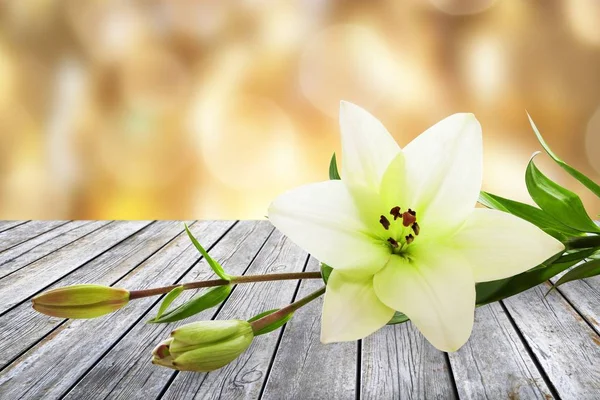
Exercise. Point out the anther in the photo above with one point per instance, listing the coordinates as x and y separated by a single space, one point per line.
409 218
384 221
409 239
416 228
393 242
395 212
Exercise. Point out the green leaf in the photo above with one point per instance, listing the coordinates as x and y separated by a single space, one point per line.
271 327
529 213
398 318
263 314
587 182
586 270
557 201
199 303
333 169
325 272
172 295
488 292
216 267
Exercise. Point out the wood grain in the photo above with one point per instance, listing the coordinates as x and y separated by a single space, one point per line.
563 343
22 327
22 233
494 363
304 368
20 256
51 367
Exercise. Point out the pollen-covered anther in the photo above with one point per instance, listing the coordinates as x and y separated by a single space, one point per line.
409 217
409 239
416 228
395 212
393 242
384 222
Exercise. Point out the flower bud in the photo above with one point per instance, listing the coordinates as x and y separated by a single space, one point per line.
204 346
80 301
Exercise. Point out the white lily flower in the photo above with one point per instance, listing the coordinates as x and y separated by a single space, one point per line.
402 232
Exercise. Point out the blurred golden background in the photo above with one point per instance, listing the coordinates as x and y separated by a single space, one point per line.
177 109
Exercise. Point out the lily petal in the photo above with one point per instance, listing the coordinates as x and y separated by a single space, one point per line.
351 309
367 147
322 219
436 291
499 245
444 172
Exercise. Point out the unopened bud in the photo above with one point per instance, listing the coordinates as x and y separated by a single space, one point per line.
80 301
204 346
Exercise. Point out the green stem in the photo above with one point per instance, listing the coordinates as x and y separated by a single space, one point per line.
277 315
583 242
138 294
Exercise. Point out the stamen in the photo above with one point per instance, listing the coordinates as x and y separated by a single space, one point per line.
409 218
384 221
395 212
393 242
416 228
409 239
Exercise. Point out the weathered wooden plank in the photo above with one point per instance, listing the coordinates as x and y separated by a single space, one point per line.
24 232
6 225
303 367
22 327
494 363
54 365
32 250
34 277
584 296
244 377
125 371
565 346
397 362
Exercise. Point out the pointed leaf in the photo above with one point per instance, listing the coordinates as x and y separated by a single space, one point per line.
325 272
216 267
263 314
398 318
172 295
586 270
488 292
560 203
587 182
333 169
275 325
529 213
199 303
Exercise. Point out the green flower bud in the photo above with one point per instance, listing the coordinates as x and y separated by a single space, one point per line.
204 346
80 301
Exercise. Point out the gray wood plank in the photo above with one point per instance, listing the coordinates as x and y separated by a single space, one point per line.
304 368
584 296
25 232
34 277
125 371
244 377
6 225
397 362
32 250
494 363
54 365
22 327
565 346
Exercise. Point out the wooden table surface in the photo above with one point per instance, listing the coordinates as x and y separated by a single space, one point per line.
526 347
